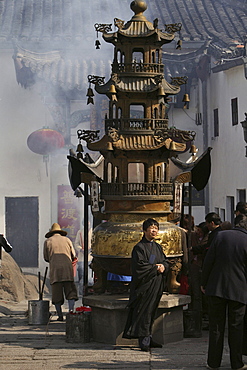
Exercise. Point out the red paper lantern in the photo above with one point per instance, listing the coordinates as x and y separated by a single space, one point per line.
45 141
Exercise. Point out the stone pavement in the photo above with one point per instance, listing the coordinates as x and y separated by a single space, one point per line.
30 347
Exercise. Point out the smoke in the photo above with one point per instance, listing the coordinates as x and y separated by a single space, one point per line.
56 52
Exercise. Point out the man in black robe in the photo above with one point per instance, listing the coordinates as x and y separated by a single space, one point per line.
149 270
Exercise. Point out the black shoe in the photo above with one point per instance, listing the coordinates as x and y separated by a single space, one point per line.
154 344
60 318
145 348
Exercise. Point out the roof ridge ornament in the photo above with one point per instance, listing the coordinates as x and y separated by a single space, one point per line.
138 7
177 135
88 135
96 80
178 81
103 27
173 27
118 23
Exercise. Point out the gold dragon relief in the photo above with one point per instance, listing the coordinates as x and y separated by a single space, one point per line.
115 242
171 241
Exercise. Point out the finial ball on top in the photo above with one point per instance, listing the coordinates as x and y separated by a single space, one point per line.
138 6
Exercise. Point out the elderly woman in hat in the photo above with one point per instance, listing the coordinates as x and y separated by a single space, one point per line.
59 252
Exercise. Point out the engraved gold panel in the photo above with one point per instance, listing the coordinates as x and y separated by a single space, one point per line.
170 238
117 239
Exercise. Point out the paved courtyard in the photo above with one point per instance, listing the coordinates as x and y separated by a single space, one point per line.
30 347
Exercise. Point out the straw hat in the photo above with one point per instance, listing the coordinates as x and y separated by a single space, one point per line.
55 229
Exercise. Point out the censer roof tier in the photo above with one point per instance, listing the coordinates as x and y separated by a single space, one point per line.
138 27
137 84
135 142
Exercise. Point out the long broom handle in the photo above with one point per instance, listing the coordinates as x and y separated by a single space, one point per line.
43 285
40 295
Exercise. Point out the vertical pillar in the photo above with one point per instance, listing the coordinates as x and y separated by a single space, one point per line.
85 272
205 135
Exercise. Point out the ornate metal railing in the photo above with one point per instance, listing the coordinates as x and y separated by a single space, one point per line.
135 124
138 67
136 189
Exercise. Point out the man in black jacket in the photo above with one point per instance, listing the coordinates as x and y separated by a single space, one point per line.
241 209
224 282
213 223
149 269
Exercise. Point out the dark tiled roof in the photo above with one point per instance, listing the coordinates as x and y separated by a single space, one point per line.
56 22
73 20
67 27
64 70
222 20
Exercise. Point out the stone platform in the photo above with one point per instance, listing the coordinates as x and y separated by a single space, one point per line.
109 316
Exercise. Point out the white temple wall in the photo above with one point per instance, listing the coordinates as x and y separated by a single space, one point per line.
24 173
229 163
185 119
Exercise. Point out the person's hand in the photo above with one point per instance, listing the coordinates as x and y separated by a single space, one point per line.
74 261
160 268
203 289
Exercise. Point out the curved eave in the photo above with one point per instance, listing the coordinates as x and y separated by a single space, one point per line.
137 27
139 32
110 37
189 51
165 37
161 36
135 142
101 145
145 85
170 89
145 142
104 89
137 85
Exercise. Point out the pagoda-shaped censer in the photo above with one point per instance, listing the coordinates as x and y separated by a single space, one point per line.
137 146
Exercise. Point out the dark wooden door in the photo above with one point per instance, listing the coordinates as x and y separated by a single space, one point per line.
22 229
